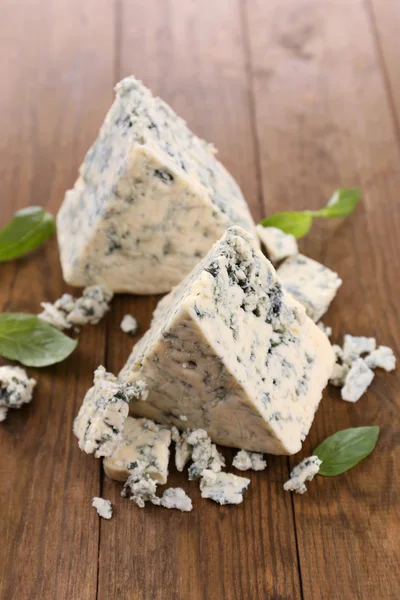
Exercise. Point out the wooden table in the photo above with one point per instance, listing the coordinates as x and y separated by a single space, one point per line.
300 97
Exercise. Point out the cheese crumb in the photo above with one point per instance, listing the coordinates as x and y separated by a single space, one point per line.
244 461
103 507
304 471
176 498
357 381
129 325
382 357
223 488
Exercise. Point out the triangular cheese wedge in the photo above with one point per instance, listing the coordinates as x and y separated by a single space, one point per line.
150 201
231 352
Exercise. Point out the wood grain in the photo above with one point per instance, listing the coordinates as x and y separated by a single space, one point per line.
385 24
198 65
49 531
299 97
329 115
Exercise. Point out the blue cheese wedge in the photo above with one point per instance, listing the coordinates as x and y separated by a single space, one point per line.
304 471
357 381
16 389
176 498
246 461
143 441
311 283
382 357
150 200
103 507
223 488
277 244
235 353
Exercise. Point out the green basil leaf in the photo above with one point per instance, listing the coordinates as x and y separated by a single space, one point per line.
31 341
342 203
344 449
27 230
296 223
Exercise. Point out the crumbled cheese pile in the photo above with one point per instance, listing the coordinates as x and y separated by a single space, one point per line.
67 311
16 389
353 369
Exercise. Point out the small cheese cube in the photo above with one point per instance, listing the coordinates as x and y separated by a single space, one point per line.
312 284
278 245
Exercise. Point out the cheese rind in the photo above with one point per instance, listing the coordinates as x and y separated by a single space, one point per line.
143 441
151 199
311 283
234 353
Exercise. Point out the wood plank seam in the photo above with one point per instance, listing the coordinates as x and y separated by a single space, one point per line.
369 9
117 9
252 104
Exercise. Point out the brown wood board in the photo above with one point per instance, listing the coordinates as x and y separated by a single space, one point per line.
299 97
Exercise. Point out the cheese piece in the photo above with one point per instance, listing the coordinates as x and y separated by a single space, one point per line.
382 357
143 441
223 488
355 346
150 201
357 381
68 311
312 284
277 244
246 461
103 507
16 389
140 487
176 498
129 325
304 471
100 422
234 353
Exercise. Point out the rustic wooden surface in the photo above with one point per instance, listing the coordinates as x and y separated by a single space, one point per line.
300 97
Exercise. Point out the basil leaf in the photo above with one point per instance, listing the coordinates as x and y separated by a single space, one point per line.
344 449
342 203
296 223
27 230
31 341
